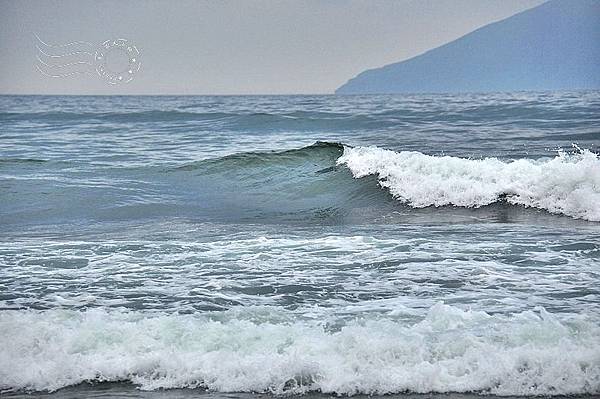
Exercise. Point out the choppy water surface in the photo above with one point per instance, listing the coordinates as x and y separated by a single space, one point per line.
301 244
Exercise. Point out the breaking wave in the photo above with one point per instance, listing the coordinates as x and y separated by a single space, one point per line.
568 184
449 350
316 182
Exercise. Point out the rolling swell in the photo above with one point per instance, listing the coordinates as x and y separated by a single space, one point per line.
297 184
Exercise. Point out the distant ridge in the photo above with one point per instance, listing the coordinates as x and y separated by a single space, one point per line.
554 46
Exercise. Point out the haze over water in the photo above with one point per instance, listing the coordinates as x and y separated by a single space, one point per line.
293 244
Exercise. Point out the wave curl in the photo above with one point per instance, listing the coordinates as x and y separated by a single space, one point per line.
568 184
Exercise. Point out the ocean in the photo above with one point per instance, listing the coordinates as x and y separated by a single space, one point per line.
251 246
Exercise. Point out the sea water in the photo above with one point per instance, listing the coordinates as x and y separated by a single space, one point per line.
345 245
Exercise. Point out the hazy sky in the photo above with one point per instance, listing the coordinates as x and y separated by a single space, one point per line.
226 47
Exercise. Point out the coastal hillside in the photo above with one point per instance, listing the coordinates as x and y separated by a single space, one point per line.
553 46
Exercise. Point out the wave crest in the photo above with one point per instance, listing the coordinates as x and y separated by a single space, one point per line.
568 184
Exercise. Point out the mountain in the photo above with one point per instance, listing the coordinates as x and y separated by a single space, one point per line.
553 46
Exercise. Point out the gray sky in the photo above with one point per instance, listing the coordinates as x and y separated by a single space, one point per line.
230 46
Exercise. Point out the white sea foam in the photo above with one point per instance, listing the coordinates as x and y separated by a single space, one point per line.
449 350
568 184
